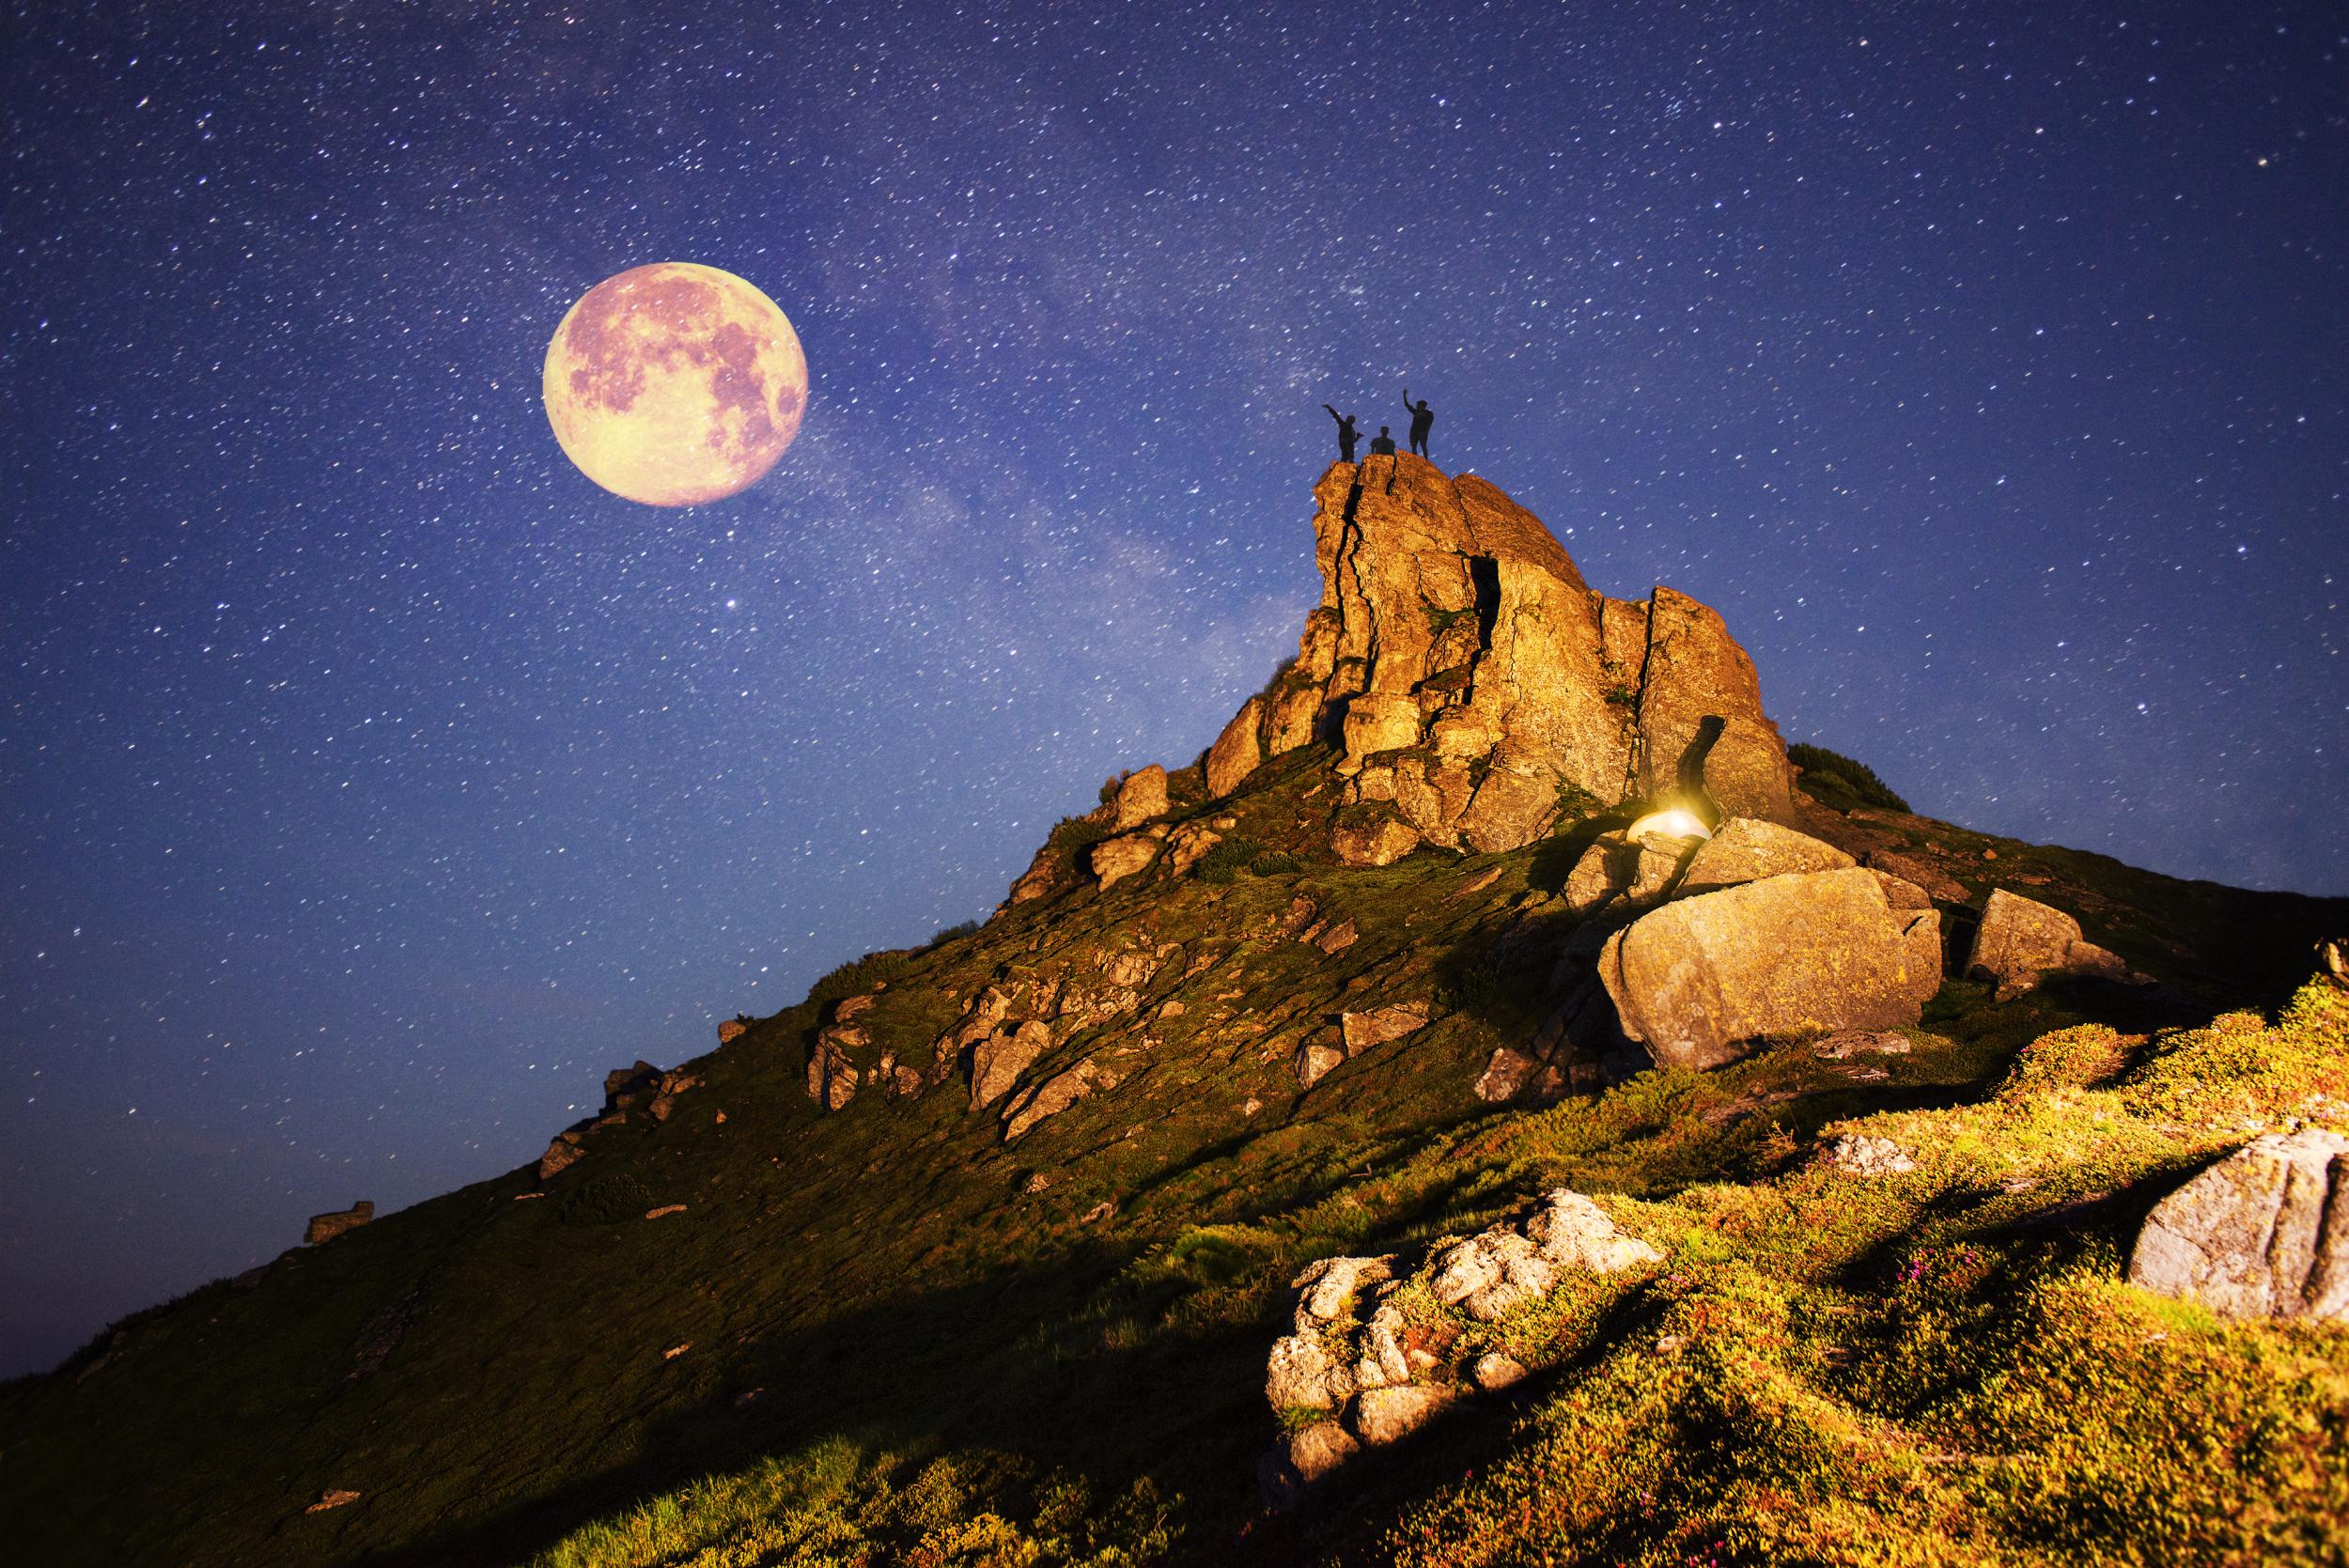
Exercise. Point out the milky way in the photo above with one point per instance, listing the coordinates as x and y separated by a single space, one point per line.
370 783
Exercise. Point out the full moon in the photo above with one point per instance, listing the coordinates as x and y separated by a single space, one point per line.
674 384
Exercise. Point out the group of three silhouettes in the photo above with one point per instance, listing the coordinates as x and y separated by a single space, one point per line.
1422 419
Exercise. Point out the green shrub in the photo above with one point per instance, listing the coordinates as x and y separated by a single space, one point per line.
613 1199
1274 862
1227 860
952 933
1835 780
859 975
1574 804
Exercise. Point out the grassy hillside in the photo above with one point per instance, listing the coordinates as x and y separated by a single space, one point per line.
884 1334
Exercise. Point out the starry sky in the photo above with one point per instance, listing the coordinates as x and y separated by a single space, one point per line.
370 783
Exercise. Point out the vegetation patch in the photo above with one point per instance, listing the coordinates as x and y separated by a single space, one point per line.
1835 780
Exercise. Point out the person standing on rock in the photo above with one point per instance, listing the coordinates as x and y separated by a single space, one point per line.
1348 433
1422 419
1382 445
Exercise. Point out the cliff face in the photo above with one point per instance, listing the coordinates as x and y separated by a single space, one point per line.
1481 688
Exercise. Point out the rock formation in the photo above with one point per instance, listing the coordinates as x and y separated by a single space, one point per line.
326 1227
1701 978
2264 1233
1480 688
1381 1352
2020 942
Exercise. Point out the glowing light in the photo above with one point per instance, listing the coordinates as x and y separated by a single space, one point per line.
1674 823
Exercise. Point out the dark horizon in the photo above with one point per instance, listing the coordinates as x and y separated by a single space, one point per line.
375 783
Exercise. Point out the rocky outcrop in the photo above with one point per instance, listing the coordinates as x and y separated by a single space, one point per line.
2021 941
1052 1097
1114 859
1857 1153
326 1227
1746 849
1361 1031
1618 872
1379 1353
1140 798
1237 750
567 1149
733 1030
2264 1233
1376 838
1329 1048
1480 688
997 1061
1697 982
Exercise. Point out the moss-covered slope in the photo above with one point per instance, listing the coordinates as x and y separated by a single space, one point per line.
885 1333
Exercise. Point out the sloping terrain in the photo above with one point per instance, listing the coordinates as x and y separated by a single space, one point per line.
815 1305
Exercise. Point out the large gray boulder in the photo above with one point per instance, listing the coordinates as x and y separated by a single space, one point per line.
2264 1233
1700 980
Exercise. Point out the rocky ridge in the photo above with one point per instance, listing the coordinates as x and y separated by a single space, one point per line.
1478 688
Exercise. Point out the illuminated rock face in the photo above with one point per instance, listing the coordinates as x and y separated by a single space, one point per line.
1479 686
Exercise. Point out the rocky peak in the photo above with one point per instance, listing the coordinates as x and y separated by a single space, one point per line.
1481 688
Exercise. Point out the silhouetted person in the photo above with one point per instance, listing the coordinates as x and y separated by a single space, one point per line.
1348 433
1423 417
1382 444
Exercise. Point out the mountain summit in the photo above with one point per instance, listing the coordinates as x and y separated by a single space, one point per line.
1479 688
1388 1139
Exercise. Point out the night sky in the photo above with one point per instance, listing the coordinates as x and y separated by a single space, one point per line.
370 782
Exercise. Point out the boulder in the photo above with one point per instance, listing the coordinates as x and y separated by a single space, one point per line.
624 1087
981 1016
1494 1372
1698 981
1187 844
1328 1287
2263 1233
1387 1414
1938 885
1301 1374
1372 840
564 1153
1236 752
1049 1098
1301 1458
1746 849
1142 796
1899 892
1603 871
997 1061
1337 939
1657 869
1491 1275
1361 1031
732 1030
1857 1155
1042 876
326 1227
1575 1232
831 1077
1504 1073
1113 859
2021 941
1315 1060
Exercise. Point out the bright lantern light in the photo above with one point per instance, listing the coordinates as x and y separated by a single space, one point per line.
1674 823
